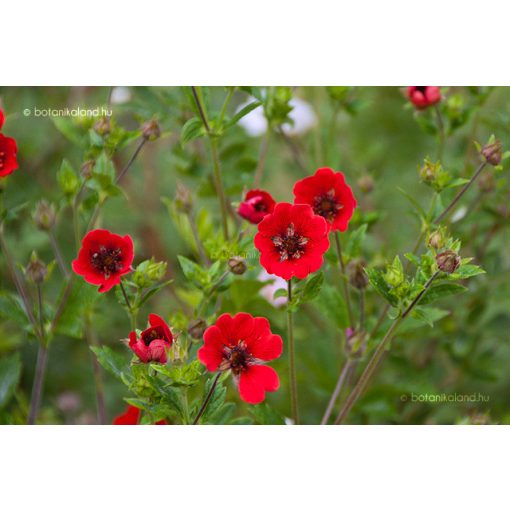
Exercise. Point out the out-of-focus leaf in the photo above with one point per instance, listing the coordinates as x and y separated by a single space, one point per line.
10 372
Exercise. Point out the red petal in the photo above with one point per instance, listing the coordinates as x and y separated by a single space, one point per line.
155 321
255 381
130 417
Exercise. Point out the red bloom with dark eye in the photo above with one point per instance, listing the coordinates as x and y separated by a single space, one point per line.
242 344
328 195
423 97
292 241
104 258
8 150
256 205
132 417
154 342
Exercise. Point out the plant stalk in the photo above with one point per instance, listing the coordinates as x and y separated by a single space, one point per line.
292 359
207 398
344 281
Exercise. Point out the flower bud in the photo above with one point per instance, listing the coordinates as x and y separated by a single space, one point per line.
436 240
492 153
87 168
102 126
355 343
237 265
366 183
197 328
44 215
36 269
151 130
448 261
183 199
357 276
429 171
149 272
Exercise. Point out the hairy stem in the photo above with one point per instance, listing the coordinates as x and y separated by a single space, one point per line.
207 398
378 353
292 359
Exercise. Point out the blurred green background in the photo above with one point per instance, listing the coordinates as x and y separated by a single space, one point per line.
371 134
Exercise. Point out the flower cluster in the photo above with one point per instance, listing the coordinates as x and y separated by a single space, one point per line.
423 97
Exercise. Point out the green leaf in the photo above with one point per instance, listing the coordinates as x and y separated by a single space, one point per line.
356 240
440 291
68 179
243 112
265 415
376 279
307 291
193 272
332 303
10 372
467 271
414 203
113 362
70 130
428 315
192 129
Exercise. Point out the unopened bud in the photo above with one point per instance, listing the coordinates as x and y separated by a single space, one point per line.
151 130
197 328
448 261
436 240
357 276
36 269
366 183
87 168
183 200
492 153
237 265
429 171
44 215
102 126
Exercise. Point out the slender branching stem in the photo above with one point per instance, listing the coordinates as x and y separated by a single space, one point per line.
58 254
440 131
292 358
338 389
345 283
98 375
131 310
261 163
378 354
200 247
203 407
40 368
460 194
218 183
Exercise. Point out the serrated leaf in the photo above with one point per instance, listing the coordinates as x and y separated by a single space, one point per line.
441 291
68 179
356 240
193 128
467 271
113 362
376 279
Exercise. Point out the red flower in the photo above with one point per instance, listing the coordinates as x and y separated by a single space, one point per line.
8 150
154 342
423 97
329 196
103 258
256 205
132 417
292 241
241 344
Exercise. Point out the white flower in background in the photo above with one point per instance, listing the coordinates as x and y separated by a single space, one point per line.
459 214
302 113
120 95
274 283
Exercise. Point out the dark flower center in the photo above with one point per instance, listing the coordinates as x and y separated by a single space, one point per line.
107 260
259 205
151 334
327 206
290 244
422 89
236 358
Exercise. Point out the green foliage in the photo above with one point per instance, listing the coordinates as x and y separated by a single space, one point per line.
10 372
